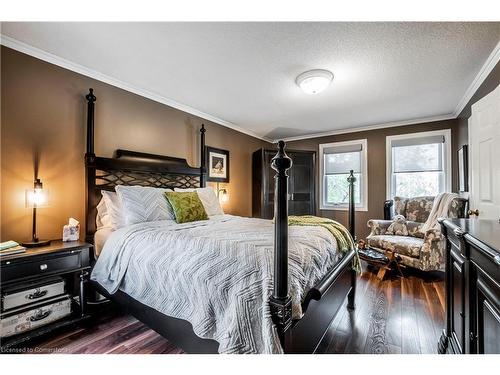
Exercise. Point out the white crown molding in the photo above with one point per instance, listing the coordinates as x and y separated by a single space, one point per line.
80 69
370 127
485 70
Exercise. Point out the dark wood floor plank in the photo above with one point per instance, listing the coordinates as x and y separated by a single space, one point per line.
427 336
397 315
357 342
73 341
113 340
410 342
345 331
436 310
393 324
376 341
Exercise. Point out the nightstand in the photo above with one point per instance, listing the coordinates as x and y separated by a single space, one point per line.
38 279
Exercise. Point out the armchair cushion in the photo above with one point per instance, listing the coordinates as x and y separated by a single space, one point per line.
379 227
414 209
398 226
404 245
400 206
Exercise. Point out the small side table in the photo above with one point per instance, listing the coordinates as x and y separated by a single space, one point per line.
68 260
386 261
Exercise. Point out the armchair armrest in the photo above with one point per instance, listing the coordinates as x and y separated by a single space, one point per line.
432 253
378 227
414 229
432 235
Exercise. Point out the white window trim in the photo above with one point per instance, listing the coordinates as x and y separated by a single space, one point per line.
364 169
446 133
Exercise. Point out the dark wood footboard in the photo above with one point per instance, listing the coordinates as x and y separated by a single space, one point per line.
320 307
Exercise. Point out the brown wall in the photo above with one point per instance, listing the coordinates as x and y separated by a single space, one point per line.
44 111
376 167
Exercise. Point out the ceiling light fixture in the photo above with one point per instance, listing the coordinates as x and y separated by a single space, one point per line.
314 81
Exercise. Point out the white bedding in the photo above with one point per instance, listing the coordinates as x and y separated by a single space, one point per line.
216 274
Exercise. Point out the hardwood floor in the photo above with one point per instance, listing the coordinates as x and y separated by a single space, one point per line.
397 315
113 334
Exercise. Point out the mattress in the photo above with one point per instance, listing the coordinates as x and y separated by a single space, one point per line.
100 237
217 274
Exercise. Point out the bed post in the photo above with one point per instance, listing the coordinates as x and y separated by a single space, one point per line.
90 170
280 302
352 229
203 171
352 225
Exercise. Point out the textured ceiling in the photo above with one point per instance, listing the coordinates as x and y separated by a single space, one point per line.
244 73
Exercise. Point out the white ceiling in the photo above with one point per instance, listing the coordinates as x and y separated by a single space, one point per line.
243 74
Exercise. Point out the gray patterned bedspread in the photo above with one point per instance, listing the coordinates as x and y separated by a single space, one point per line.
216 274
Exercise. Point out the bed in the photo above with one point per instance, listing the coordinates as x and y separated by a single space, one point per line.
224 285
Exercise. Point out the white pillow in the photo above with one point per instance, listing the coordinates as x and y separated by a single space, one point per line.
144 203
102 218
109 211
209 200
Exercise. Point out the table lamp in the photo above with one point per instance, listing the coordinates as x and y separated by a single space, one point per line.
35 198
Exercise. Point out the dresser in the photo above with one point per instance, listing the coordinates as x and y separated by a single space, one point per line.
301 186
42 290
472 287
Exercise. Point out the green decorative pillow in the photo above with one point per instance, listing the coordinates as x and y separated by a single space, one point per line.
187 206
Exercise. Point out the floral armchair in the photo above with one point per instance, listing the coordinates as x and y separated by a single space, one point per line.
425 251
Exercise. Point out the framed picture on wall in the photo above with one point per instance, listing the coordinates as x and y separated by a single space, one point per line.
463 174
217 164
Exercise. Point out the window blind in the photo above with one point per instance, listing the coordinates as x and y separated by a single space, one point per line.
343 149
417 141
342 159
422 154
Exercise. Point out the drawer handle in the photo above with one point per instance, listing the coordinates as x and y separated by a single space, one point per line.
38 294
497 260
43 267
40 315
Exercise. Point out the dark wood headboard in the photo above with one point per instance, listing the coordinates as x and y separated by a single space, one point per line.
132 168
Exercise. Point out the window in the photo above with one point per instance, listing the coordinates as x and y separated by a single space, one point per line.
336 161
418 164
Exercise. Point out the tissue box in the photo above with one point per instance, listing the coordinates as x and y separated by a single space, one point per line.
71 231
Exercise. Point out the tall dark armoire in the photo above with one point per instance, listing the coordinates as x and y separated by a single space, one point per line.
301 183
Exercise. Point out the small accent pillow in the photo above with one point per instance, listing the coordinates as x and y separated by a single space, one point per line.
187 206
208 198
144 203
398 226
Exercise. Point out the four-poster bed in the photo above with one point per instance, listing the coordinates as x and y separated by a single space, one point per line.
319 305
